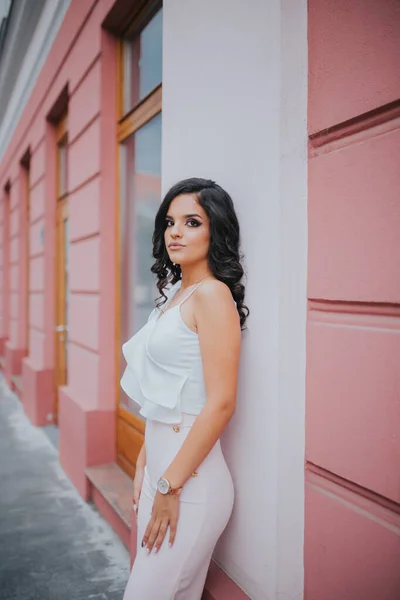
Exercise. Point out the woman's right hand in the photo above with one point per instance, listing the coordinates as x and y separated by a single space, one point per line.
137 487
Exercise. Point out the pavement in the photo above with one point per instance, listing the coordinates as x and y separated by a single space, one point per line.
53 545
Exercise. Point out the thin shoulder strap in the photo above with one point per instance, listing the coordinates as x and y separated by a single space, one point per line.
190 293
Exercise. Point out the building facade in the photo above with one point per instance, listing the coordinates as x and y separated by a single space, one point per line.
294 109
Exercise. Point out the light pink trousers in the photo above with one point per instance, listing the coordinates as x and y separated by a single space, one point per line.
206 501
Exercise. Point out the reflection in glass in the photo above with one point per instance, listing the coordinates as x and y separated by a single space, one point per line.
143 63
140 179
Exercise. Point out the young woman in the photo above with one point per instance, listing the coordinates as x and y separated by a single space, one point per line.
182 368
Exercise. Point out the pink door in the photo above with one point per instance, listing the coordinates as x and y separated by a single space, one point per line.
352 536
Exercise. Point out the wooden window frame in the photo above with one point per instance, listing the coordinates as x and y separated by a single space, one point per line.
61 213
128 123
144 15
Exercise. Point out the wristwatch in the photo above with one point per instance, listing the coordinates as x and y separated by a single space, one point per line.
164 487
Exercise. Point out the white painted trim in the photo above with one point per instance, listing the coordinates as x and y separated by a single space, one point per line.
48 26
292 299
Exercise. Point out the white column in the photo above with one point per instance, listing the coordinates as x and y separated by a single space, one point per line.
234 110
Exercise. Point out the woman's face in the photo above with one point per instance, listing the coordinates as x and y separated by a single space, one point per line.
187 233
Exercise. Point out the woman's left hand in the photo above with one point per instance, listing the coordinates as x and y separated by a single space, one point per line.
165 513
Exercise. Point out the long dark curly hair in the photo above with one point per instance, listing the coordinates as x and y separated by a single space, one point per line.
223 256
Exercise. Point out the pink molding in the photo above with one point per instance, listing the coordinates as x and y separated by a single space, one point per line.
13 361
87 438
107 215
37 393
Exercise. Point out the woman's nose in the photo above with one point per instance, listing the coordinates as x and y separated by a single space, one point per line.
175 231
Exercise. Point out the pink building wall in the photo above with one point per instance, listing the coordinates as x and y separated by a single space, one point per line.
352 532
83 61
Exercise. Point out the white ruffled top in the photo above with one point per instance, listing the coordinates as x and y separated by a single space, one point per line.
164 372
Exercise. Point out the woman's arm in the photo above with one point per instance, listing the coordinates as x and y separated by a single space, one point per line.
139 476
218 328
141 459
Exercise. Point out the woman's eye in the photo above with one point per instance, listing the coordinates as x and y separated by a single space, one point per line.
168 222
193 223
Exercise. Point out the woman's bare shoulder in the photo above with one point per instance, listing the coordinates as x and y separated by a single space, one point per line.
215 295
212 289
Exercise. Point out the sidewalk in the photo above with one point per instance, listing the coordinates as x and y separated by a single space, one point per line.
53 546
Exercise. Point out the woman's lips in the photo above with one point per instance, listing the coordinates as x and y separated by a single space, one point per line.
176 246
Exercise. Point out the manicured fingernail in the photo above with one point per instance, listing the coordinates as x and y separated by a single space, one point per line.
148 550
143 543
170 544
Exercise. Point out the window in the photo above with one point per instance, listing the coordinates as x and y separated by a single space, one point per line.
139 137
140 176
142 58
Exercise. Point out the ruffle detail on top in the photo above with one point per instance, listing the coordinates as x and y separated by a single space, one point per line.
154 386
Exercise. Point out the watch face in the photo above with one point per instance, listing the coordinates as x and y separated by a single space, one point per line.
163 486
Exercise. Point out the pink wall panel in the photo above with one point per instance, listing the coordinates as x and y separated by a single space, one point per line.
84 156
37 130
14 305
84 265
354 222
84 208
353 407
84 320
14 193
36 310
83 372
36 201
37 166
36 347
35 238
14 250
351 551
36 274
352 544
85 102
86 48
14 278
354 59
14 222
13 336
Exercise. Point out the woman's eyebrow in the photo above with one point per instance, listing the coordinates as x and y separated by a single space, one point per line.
185 216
